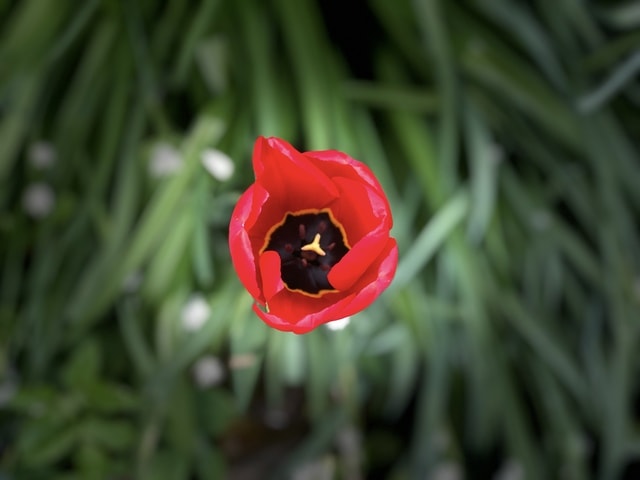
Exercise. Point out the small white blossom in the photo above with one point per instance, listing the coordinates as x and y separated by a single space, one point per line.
208 371
339 324
165 161
42 155
218 164
38 199
195 313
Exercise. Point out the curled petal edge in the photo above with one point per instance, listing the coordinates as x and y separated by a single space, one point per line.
289 175
240 246
380 278
344 165
358 260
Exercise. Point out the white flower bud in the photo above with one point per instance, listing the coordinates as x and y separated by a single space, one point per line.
195 313
208 371
165 161
218 164
38 199
42 155
339 324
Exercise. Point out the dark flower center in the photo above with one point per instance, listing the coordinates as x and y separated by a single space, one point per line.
309 244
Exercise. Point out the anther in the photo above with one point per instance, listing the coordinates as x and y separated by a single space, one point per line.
288 248
304 262
314 246
331 245
302 231
322 226
325 267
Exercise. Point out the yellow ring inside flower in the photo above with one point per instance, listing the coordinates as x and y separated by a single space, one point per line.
305 264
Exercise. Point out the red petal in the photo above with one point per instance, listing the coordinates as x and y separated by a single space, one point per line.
240 246
264 215
294 312
339 164
270 273
383 268
375 280
290 178
260 198
358 260
359 209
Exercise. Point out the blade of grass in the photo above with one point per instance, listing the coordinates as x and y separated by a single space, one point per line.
431 237
483 159
433 24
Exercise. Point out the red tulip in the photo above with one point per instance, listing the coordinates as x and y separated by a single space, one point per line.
310 238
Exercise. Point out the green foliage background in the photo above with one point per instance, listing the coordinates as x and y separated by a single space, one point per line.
506 136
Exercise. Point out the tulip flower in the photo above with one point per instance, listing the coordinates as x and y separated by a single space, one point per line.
310 238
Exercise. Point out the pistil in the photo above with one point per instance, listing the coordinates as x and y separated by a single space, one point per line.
314 246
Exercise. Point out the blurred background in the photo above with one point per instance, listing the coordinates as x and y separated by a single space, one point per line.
506 136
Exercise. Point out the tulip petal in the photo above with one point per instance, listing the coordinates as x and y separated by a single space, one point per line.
265 213
260 198
375 280
383 268
359 209
240 247
276 321
290 177
339 164
358 260
292 312
270 273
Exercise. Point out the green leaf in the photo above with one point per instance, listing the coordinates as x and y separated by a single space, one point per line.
483 160
91 461
111 398
84 365
248 339
432 236
404 362
209 462
110 433
181 418
167 464
46 442
216 409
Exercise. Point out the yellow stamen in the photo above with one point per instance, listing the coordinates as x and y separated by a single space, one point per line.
314 246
